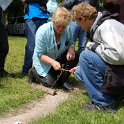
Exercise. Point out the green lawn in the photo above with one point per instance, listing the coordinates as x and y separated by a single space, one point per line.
14 92
71 112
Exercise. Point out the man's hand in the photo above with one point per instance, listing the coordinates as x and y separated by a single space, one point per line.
72 71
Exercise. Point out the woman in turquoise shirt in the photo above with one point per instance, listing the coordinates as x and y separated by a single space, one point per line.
53 48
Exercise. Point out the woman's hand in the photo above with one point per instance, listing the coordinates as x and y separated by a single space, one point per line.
71 53
56 65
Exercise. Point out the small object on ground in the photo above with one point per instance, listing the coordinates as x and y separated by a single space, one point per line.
45 89
50 91
18 122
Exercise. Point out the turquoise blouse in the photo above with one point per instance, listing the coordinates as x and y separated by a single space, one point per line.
45 44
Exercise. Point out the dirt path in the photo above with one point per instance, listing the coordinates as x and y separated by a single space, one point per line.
36 109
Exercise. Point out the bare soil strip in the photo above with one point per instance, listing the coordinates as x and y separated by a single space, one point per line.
36 109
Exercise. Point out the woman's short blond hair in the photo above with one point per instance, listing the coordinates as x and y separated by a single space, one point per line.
83 9
61 16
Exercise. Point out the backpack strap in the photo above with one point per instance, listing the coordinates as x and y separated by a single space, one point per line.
105 16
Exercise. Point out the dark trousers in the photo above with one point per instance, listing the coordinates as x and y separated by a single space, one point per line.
55 78
4 47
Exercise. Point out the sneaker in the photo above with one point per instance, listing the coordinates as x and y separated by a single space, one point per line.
97 108
5 74
24 74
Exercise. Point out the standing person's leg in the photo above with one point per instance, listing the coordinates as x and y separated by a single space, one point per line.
29 48
40 22
31 28
78 33
91 73
81 39
0 14
4 48
74 30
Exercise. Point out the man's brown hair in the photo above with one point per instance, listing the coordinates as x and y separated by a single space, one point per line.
85 10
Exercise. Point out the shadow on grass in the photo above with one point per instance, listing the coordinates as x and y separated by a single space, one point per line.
76 83
120 102
19 75
15 75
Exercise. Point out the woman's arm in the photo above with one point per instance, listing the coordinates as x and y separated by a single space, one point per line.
46 59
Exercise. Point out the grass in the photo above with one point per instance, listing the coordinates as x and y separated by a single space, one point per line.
15 92
71 112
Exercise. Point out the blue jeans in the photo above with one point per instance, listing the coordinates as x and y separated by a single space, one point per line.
91 73
31 28
77 32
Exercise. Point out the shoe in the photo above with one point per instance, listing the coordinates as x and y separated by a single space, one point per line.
24 74
5 74
31 77
67 86
97 108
